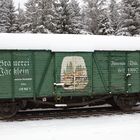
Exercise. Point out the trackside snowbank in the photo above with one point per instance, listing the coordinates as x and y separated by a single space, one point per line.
91 128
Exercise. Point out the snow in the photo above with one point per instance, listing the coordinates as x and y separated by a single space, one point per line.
114 127
68 42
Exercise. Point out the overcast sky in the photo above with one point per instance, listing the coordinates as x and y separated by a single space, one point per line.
23 1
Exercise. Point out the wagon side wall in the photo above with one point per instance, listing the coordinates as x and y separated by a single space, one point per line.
26 74
116 72
44 73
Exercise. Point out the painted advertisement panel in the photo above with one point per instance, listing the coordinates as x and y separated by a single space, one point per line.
74 73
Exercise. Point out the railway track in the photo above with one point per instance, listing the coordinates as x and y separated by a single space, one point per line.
69 113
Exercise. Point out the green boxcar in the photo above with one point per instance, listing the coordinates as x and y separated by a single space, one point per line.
80 77
25 74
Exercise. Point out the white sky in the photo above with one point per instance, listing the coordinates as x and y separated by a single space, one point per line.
21 3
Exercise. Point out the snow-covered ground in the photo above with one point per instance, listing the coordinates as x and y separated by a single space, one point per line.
114 127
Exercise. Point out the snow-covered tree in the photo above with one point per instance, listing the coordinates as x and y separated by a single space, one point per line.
45 10
67 18
7 16
94 12
31 16
130 18
104 26
38 16
20 19
114 15
76 18
2 16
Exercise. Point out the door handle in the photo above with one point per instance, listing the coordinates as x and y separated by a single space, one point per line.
128 75
59 84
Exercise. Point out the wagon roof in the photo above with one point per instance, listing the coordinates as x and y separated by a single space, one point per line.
63 42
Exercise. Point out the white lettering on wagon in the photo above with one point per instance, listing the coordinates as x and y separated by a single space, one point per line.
17 63
131 63
132 66
25 89
19 67
113 63
16 71
23 79
130 70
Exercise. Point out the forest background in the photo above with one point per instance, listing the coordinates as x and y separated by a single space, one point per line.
98 17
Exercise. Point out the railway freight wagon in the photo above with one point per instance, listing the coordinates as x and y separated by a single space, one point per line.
31 78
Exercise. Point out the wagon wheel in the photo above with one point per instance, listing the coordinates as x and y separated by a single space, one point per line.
112 102
8 110
125 103
114 105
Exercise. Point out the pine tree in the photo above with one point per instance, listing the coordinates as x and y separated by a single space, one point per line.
93 14
38 16
76 18
7 16
113 15
20 19
2 16
130 18
104 26
67 18
46 14
31 16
